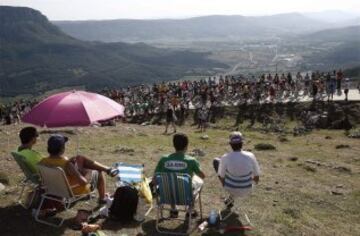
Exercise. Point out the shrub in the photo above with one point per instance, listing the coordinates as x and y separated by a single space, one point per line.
264 146
4 179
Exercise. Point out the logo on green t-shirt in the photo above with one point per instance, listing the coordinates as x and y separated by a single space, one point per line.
178 162
175 165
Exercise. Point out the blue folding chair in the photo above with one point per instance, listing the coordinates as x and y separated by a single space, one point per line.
175 189
133 174
129 173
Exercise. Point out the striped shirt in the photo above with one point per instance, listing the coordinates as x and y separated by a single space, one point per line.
238 169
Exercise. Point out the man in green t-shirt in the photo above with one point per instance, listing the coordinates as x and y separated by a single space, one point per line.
28 137
179 162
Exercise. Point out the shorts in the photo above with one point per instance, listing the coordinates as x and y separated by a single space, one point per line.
197 184
169 119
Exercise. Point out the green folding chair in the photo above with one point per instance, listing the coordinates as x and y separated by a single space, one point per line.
31 179
176 189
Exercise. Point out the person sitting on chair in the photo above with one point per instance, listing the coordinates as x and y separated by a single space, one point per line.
238 169
179 162
28 137
82 173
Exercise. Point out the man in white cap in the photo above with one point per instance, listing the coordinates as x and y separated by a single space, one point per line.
238 169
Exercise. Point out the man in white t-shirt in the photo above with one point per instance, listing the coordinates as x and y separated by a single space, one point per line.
238 169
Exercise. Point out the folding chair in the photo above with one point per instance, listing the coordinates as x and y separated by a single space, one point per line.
176 189
31 179
57 189
237 182
131 174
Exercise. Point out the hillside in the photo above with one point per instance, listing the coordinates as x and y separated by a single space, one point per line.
37 56
345 34
353 72
333 16
331 48
216 27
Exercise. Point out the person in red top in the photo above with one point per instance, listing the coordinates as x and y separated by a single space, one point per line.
339 77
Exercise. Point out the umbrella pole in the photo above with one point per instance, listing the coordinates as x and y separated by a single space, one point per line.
77 141
7 139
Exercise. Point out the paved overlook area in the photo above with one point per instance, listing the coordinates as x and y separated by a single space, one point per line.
354 95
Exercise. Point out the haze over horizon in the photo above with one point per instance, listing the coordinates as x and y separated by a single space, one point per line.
156 9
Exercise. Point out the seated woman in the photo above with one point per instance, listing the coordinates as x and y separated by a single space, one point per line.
83 174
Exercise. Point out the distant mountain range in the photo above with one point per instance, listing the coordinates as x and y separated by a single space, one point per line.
345 49
217 27
36 56
346 34
333 16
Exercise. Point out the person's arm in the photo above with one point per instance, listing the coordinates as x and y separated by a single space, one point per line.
72 171
197 169
157 169
256 179
222 180
221 170
201 174
256 170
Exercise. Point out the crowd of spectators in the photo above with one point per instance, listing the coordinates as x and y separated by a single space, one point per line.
207 96
10 113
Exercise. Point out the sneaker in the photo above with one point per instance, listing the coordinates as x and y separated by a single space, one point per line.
194 214
112 172
174 213
229 203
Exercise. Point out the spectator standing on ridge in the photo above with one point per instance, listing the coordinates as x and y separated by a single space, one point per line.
339 77
203 117
347 88
170 118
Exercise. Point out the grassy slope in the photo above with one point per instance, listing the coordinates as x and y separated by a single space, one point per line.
288 201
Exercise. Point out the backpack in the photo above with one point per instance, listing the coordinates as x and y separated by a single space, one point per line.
124 205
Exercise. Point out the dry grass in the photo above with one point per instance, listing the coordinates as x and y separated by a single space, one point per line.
294 196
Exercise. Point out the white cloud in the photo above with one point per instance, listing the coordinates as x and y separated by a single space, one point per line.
113 9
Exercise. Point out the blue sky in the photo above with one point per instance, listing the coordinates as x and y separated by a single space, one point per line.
145 9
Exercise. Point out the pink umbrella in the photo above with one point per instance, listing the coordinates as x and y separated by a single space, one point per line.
76 108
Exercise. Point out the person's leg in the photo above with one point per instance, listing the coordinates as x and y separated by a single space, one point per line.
97 180
346 94
84 163
166 127
197 184
174 126
101 186
216 163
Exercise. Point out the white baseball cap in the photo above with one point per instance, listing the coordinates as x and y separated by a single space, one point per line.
236 137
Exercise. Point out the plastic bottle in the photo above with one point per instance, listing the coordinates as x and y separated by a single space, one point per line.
213 217
203 225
